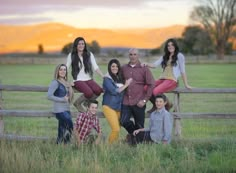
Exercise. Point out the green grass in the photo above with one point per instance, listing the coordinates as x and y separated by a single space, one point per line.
199 75
180 157
207 145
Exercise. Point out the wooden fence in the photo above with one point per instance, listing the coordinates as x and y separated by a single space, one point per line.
46 113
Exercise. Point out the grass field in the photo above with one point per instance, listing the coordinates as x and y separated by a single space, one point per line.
206 146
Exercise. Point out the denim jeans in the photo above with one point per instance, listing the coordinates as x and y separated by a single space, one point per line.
65 127
132 111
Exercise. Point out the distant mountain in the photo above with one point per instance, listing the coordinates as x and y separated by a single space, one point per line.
53 36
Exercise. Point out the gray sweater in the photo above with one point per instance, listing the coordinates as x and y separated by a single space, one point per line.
60 104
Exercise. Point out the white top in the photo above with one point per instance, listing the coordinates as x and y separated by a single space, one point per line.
178 69
82 76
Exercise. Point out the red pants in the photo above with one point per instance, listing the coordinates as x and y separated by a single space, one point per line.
164 85
88 88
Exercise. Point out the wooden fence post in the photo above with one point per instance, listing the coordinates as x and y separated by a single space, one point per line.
1 117
177 123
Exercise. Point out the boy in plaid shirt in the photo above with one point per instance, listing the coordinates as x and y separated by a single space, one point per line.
86 122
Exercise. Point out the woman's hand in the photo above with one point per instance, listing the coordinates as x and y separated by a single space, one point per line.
67 98
128 81
143 64
188 86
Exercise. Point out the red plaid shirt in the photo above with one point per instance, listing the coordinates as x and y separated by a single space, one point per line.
84 124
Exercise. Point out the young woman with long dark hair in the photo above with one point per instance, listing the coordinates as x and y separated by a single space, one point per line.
114 86
83 65
173 66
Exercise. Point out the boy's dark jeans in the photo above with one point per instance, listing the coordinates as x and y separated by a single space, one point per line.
65 127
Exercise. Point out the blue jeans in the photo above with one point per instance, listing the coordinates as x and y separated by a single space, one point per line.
65 127
132 111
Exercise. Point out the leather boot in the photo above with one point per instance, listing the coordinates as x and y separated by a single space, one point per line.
92 98
168 105
152 100
79 103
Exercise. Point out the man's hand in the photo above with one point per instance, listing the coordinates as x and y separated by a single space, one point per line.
141 103
136 132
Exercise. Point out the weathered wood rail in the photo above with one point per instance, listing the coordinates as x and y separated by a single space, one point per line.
46 113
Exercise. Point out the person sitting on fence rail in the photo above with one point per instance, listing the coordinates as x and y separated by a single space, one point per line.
160 125
61 93
83 64
86 122
173 65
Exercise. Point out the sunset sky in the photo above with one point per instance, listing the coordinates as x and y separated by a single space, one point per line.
98 13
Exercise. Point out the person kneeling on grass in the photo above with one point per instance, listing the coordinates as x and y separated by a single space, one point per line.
86 122
160 125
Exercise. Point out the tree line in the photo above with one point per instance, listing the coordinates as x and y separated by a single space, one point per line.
213 25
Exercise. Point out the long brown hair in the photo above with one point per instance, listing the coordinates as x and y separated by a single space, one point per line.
116 77
166 55
76 62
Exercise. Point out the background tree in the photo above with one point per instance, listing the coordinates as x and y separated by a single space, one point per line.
40 49
155 51
94 47
160 50
67 48
218 18
197 41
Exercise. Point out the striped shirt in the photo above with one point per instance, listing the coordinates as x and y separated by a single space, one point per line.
84 124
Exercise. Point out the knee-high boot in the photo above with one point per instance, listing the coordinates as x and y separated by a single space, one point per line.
92 98
79 103
152 100
168 105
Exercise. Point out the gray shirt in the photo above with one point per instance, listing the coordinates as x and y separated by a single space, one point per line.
160 126
60 104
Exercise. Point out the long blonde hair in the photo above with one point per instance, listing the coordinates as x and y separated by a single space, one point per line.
64 81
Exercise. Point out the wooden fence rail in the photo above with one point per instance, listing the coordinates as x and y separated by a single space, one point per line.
46 113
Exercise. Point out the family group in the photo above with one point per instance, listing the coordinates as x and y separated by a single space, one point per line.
126 90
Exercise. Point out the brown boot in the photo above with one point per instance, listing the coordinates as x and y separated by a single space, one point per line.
79 103
92 98
168 105
152 100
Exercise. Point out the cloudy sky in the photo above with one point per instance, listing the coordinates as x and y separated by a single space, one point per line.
98 13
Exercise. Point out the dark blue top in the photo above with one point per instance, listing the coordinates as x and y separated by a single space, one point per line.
111 96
